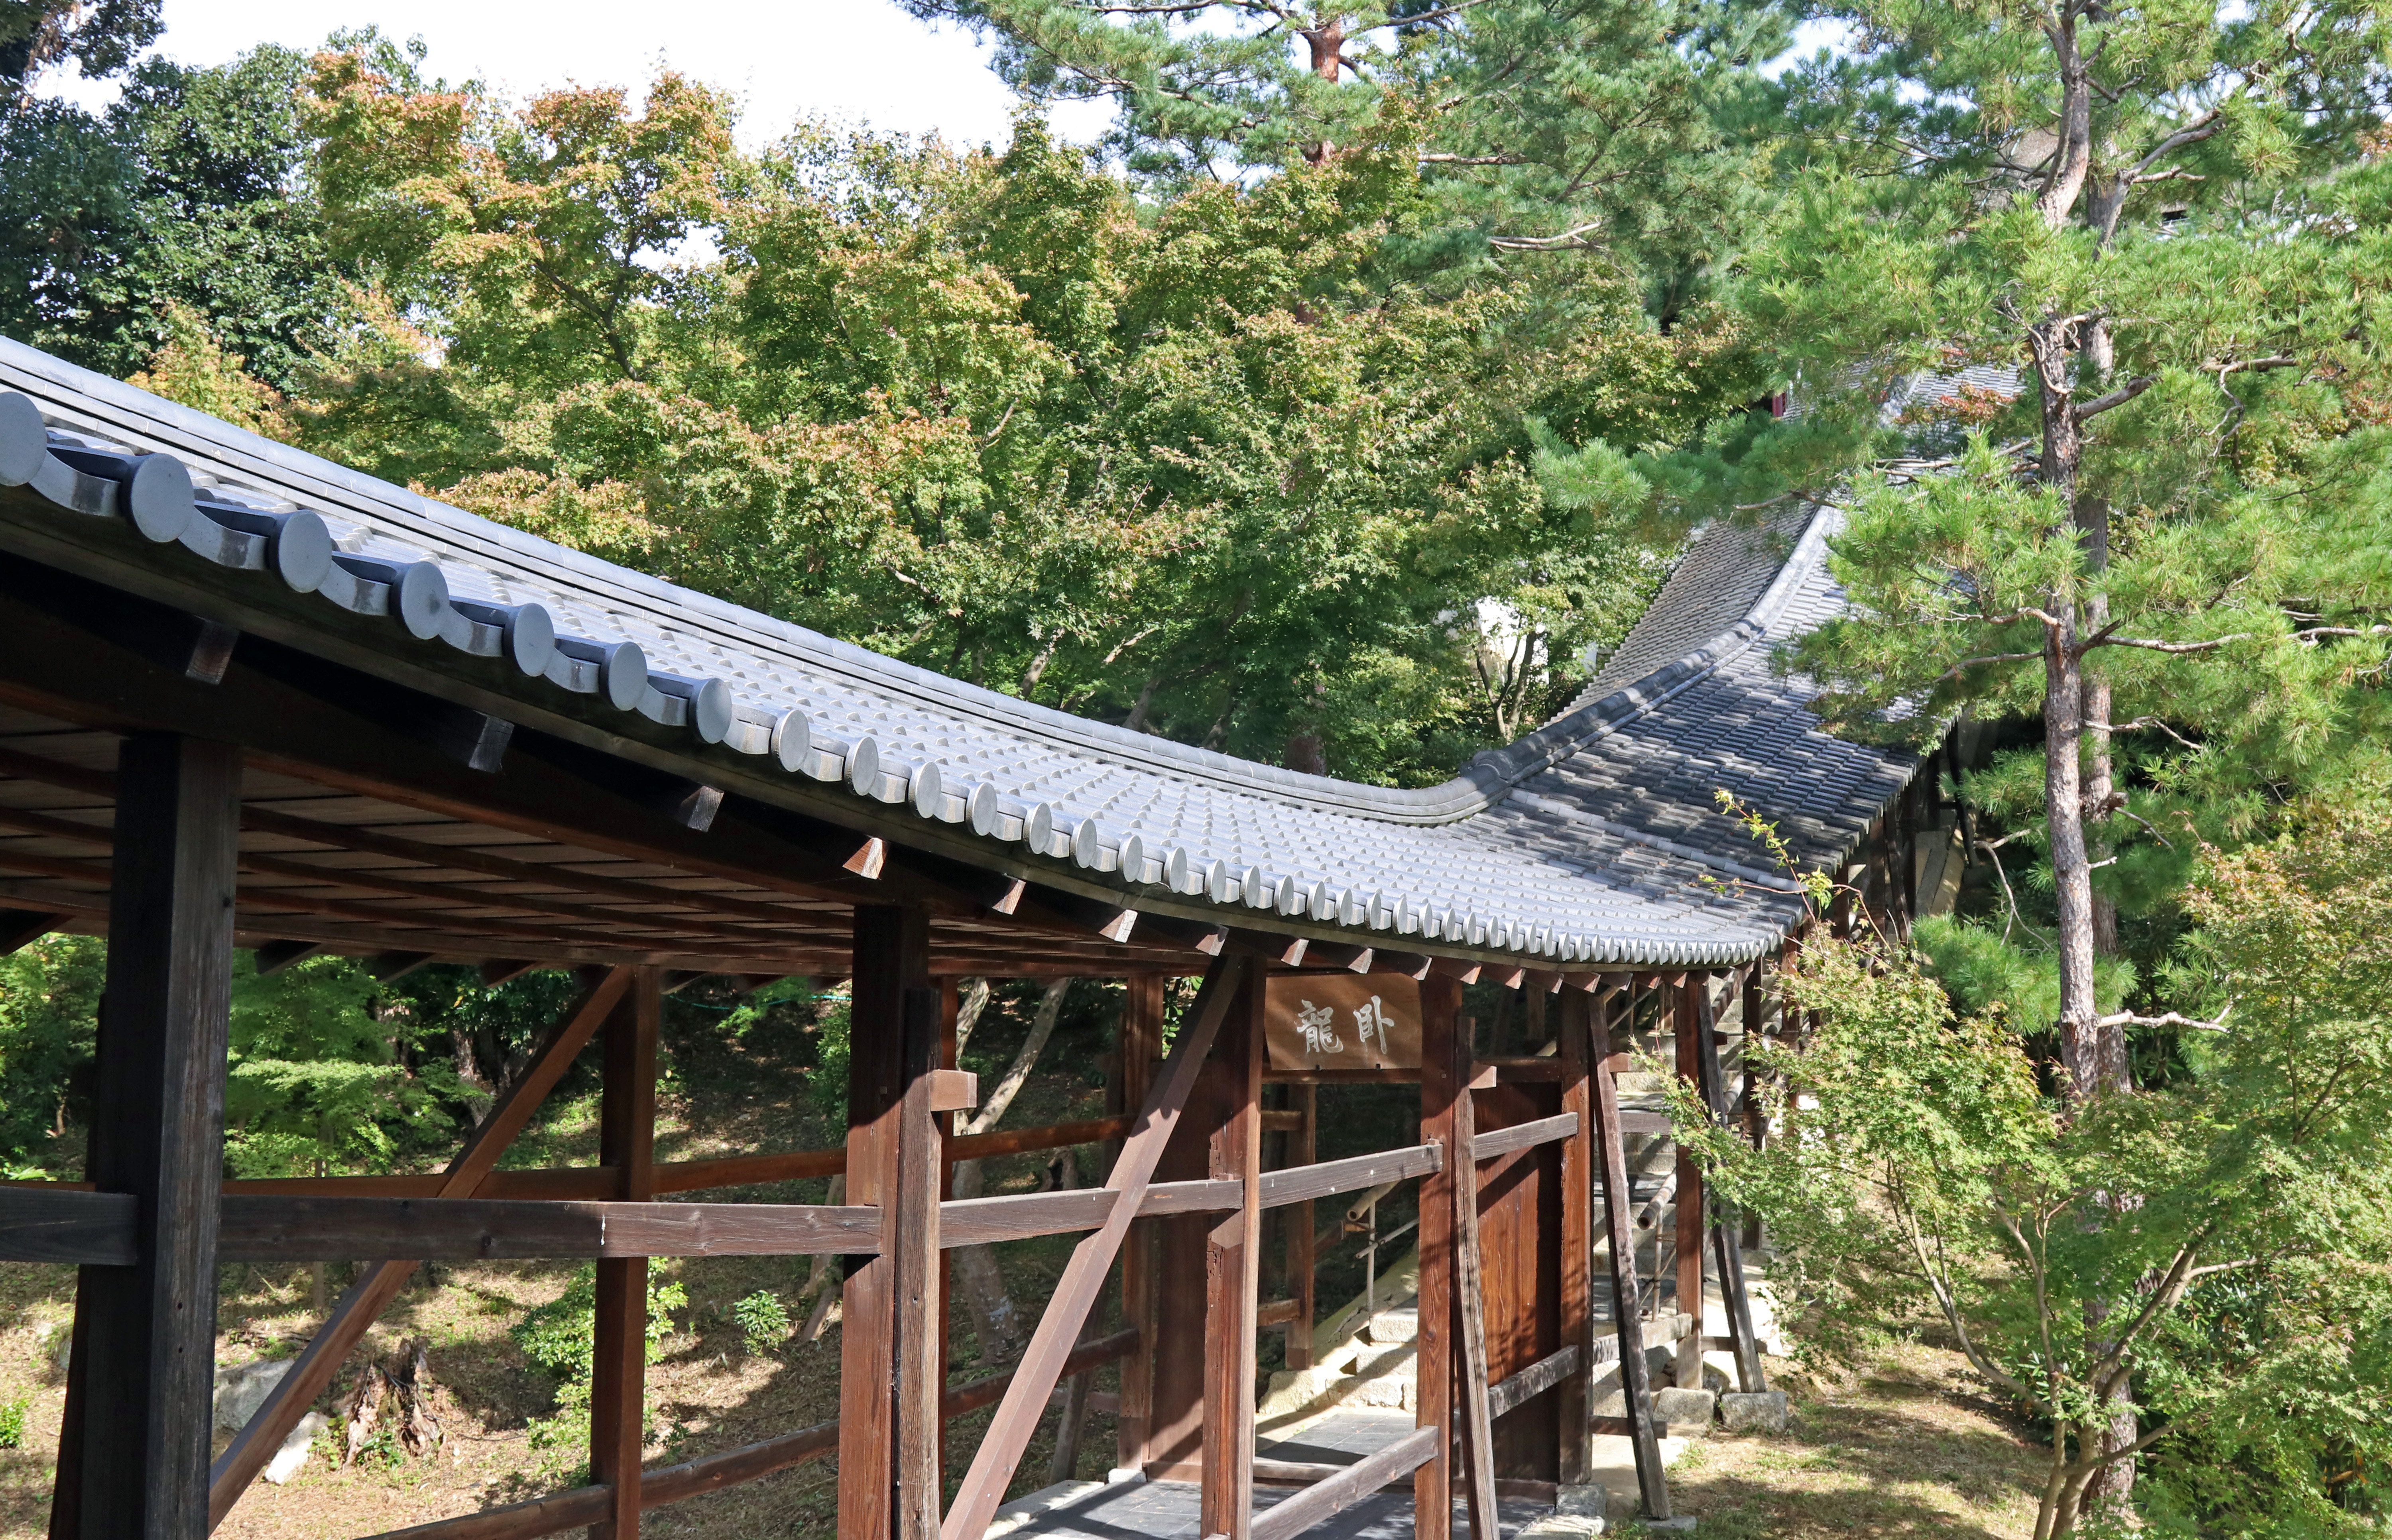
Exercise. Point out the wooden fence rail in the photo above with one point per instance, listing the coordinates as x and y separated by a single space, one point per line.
583 1505
71 1224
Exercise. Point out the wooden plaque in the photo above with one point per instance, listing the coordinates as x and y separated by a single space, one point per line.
1343 1021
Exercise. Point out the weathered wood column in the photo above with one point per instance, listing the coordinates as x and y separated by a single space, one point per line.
1576 1051
1140 1045
891 957
1301 1262
1233 1269
143 1369
1688 1004
1432 1483
627 1141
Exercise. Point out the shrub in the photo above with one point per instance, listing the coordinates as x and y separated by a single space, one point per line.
763 1320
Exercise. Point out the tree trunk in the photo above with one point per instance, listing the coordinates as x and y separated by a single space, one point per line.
2072 156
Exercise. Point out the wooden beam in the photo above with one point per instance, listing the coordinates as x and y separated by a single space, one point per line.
1689 1002
627 1143
1316 1504
1297 1351
1232 1272
1626 1309
1515 1391
912 1239
580 1505
1138 1046
264 1228
52 1224
1727 1249
149 1342
1520 1136
276 956
21 927
1470 1334
1575 1307
1433 1395
891 957
1084 1276
313 1370
1353 1175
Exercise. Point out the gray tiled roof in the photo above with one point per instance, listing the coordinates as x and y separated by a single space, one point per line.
1593 840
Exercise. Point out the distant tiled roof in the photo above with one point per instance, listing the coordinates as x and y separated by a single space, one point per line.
1594 840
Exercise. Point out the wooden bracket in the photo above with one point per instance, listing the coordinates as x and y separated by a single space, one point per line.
1484 1080
954 1090
869 858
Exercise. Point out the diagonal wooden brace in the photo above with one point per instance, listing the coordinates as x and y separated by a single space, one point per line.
1041 1364
371 1294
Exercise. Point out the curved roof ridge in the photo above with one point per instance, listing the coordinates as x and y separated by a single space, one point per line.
1612 853
448 530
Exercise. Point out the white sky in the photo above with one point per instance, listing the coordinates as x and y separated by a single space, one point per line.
857 59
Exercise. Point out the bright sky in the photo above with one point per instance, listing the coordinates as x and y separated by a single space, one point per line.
857 59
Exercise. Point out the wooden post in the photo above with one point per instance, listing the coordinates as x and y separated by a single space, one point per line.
1470 1306
1689 1002
1233 1269
1726 1248
910 1237
1301 1146
144 1372
950 1008
1574 1403
1092 1260
1440 1032
892 956
1626 1310
627 1141
1140 1045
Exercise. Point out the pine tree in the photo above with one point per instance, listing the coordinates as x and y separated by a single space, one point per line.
2167 221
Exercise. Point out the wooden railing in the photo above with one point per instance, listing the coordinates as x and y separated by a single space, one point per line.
583 1505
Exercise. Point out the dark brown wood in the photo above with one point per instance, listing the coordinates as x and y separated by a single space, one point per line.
1355 1173
314 1368
21 927
1232 1272
1433 1396
558 1512
1727 1249
157 1135
56 1224
1514 1390
913 1242
1318 1502
891 957
1688 1002
1297 1353
1626 1309
1471 1371
1084 1276
1139 1045
266 1228
1576 1025
1341 1077
627 1142
1514 1068
1520 1136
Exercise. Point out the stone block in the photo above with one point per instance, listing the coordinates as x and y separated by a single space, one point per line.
242 1391
1758 1412
1582 1502
1683 1410
293 1453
